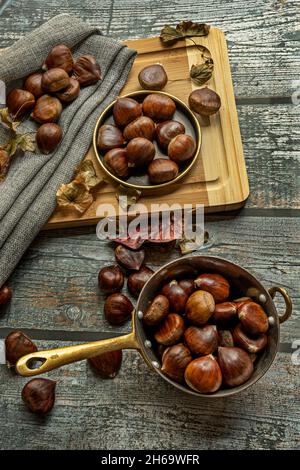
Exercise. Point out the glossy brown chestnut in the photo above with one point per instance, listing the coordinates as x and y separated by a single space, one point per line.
47 109
204 101
5 294
225 338
48 137
203 374
174 361
153 77
187 285
107 365
250 344
129 259
60 56
162 170
110 279
137 280
200 307
176 296
117 309
225 313
70 93
181 148
39 395
253 318
87 70
170 330
19 102
166 131
159 107
116 161
157 310
140 127
215 284
236 366
126 110
17 344
201 341
242 300
140 152
54 80
33 84
109 137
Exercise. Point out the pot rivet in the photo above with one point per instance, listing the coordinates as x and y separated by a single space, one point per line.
155 364
148 344
262 298
140 315
271 320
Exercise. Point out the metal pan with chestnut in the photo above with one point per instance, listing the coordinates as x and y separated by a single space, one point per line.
204 324
147 140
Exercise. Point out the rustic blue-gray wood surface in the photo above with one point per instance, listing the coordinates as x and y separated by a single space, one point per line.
55 285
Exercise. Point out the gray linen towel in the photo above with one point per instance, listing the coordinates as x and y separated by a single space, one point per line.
27 195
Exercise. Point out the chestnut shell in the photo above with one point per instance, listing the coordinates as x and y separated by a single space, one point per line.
129 259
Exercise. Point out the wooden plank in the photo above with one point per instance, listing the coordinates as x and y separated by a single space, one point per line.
55 285
136 411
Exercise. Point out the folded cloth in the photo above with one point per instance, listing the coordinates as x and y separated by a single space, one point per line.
27 195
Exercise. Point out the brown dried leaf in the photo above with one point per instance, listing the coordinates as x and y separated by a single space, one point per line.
201 73
131 194
24 142
74 195
4 164
7 120
169 35
86 174
198 243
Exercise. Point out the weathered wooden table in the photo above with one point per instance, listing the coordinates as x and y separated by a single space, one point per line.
55 285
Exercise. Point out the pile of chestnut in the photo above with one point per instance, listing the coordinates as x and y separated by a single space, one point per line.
45 92
128 143
204 339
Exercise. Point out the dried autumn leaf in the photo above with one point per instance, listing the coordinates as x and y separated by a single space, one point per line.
127 196
4 164
169 35
24 142
185 29
198 243
7 120
86 174
74 195
201 73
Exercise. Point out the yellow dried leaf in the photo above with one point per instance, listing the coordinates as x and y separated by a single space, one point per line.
74 195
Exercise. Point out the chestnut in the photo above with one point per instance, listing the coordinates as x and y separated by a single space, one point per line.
224 313
87 70
108 364
170 330
54 80
235 364
159 107
47 109
109 137
140 152
176 296
205 102
153 77
203 374
166 131
126 110
19 102
110 279
215 284
187 285
117 309
200 307
244 341
5 294
39 395
17 344
33 84
59 56
48 137
162 170
253 318
181 148
70 93
174 361
157 310
201 341
116 161
225 338
242 300
140 127
129 259
137 280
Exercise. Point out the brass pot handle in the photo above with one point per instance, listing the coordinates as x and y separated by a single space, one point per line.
54 358
288 302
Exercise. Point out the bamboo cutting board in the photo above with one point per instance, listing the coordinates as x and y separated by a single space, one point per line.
219 178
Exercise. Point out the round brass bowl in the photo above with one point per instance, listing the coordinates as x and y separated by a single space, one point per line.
182 114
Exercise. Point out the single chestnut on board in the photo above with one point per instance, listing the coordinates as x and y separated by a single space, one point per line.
159 107
109 137
166 131
204 101
174 361
39 395
181 148
126 110
48 137
116 161
140 152
153 77
162 170
110 279
107 365
117 309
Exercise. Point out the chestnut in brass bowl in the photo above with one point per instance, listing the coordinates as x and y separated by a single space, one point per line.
242 284
139 179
